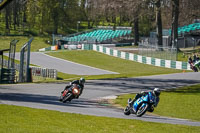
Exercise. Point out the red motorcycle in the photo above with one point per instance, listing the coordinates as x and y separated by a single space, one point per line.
70 93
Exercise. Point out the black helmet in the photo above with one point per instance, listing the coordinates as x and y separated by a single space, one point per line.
156 91
82 81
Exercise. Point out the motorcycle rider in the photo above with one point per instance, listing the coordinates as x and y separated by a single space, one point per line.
193 65
190 60
155 92
79 82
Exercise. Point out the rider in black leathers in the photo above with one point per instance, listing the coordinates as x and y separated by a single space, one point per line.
155 92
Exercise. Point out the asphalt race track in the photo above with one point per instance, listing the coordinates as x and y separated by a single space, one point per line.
64 66
45 96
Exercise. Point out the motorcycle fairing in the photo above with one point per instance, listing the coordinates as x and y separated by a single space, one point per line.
148 98
139 101
151 98
65 92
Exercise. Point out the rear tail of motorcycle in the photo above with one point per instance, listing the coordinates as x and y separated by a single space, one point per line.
127 110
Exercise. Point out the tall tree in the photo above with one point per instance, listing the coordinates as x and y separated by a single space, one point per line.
15 13
159 22
175 16
7 16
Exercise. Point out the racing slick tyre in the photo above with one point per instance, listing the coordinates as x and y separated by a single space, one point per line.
127 111
67 97
142 109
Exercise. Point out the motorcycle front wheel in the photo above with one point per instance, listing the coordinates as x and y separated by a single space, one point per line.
142 109
127 111
61 97
67 97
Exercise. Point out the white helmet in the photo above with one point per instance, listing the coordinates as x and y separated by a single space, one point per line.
156 91
82 81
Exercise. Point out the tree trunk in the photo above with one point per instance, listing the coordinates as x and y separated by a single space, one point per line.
42 21
93 21
14 14
159 23
175 16
136 30
7 20
89 24
55 26
120 19
113 19
24 17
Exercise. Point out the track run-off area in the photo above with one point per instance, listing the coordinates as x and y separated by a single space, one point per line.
46 95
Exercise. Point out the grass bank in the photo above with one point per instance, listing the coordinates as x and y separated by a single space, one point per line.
14 119
125 68
38 42
183 102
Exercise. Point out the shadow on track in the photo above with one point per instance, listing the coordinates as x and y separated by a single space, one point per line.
44 99
144 83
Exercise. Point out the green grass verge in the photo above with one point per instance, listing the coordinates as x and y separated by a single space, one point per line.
125 68
14 119
37 43
180 103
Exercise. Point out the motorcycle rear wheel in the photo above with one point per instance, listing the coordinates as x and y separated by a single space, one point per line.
195 69
127 111
141 111
151 109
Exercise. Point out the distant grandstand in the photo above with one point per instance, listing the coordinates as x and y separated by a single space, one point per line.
98 36
188 29
188 36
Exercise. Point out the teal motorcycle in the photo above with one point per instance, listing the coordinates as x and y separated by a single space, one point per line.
141 105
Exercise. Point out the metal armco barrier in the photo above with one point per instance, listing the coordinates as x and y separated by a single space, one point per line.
44 72
7 75
36 71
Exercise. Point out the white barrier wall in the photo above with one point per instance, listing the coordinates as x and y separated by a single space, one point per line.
143 59
133 57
